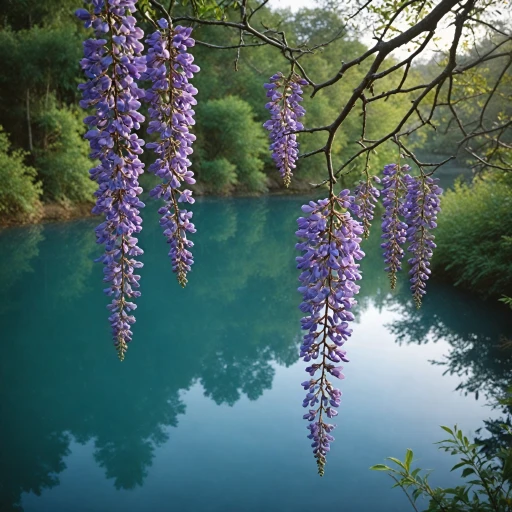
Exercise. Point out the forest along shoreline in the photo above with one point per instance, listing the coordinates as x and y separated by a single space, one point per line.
62 211
65 211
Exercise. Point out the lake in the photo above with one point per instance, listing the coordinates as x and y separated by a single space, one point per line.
205 414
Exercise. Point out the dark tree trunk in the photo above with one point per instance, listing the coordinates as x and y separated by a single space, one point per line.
29 124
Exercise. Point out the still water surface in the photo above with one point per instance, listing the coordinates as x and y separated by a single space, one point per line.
205 415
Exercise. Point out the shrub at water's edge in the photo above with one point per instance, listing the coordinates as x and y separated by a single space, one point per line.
63 161
231 151
475 236
19 190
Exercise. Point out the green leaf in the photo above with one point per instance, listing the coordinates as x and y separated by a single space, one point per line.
380 467
408 459
397 461
415 472
458 465
416 494
467 472
447 429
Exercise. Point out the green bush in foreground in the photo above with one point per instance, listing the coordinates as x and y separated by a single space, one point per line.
487 484
19 190
474 237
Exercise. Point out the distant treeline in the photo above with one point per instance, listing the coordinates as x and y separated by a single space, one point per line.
43 156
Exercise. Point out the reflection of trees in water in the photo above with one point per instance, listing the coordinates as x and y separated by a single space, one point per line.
19 248
474 330
33 468
251 379
61 389
59 379
493 437
235 310
21 253
77 240
127 453
375 289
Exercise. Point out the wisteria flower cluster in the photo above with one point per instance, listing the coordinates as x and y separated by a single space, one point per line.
285 95
171 97
330 250
411 207
393 228
363 202
112 64
421 206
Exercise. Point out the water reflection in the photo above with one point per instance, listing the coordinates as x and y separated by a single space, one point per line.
19 248
480 353
238 318
476 332
59 377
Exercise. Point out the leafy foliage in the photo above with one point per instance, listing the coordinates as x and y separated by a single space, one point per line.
229 134
488 479
25 14
506 300
44 62
219 175
40 44
259 63
63 161
475 236
19 190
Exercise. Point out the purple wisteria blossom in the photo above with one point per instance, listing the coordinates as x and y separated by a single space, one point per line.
171 97
112 63
363 203
393 228
285 96
422 204
329 271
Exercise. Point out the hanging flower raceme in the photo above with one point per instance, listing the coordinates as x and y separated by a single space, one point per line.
171 97
363 203
422 204
393 228
285 96
112 63
329 272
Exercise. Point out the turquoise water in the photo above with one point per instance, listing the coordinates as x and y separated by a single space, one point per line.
205 412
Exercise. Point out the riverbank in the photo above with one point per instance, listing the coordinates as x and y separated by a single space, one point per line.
61 212
55 212
51 212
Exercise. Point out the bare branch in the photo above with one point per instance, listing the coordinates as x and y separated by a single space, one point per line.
427 24
486 163
230 47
